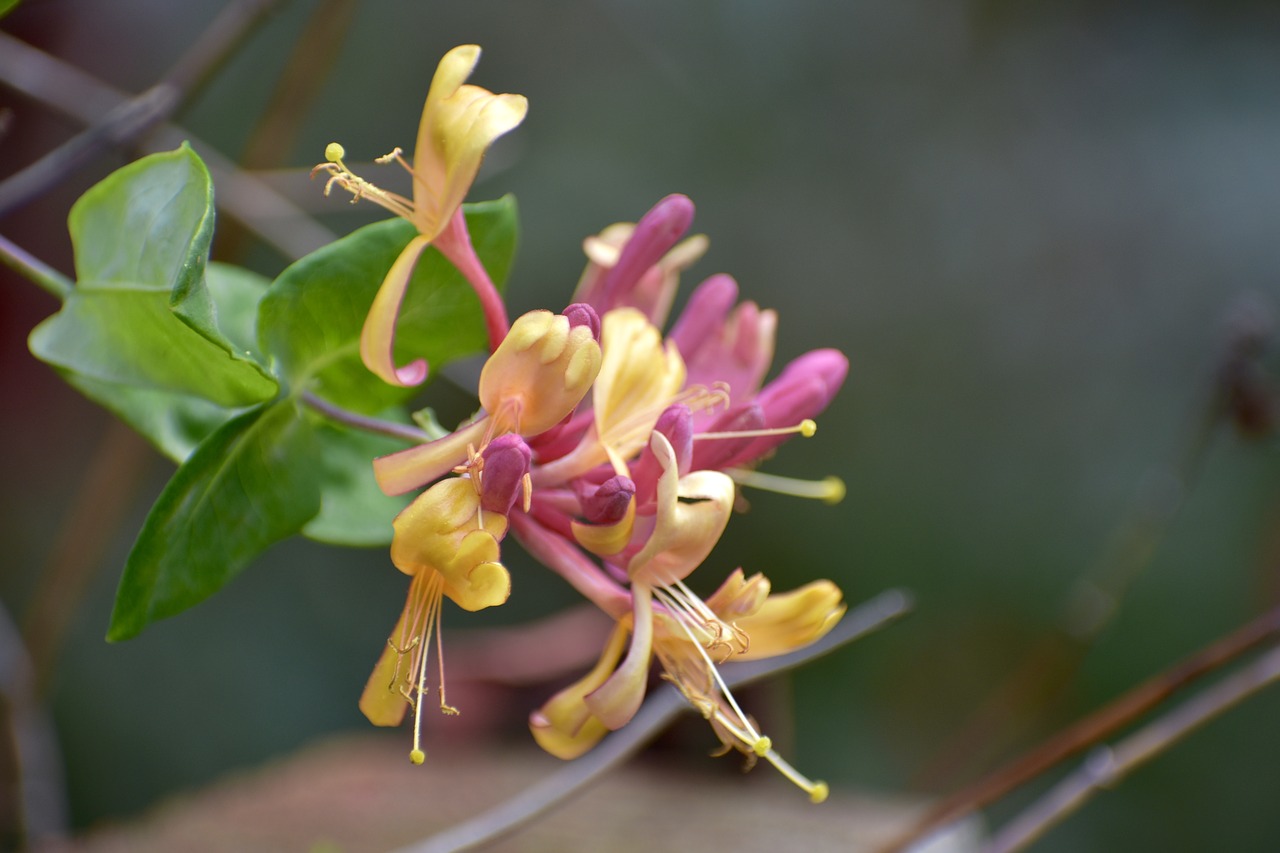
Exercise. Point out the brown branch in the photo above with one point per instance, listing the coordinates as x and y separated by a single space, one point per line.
62 86
128 121
1095 727
1108 765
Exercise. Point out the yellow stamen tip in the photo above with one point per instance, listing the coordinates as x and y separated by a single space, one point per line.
333 152
819 792
762 746
835 490
417 756
808 428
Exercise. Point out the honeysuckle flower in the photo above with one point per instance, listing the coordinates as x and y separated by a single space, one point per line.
459 122
536 377
740 621
639 266
449 546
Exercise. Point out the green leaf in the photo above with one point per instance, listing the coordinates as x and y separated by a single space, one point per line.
310 320
149 222
7 6
353 510
173 423
250 484
236 293
127 335
144 333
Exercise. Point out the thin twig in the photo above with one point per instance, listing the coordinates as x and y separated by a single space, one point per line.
128 121
1095 727
1108 765
62 86
662 706
363 422
34 269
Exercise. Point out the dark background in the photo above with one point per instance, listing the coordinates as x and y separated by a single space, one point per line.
1029 226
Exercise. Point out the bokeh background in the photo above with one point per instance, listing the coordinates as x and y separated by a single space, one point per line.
1036 230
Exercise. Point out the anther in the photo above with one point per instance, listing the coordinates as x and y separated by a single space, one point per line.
762 746
819 792
417 756
830 490
333 152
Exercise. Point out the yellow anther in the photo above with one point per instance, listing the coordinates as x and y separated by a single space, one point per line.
762 746
808 428
333 152
818 793
417 756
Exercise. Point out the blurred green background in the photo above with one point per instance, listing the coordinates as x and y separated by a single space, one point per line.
1030 227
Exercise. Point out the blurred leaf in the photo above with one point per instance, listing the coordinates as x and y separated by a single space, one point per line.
353 510
250 484
7 6
127 335
311 318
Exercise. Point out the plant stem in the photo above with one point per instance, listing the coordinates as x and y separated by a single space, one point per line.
34 270
658 711
1096 726
1108 765
61 86
131 119
363 422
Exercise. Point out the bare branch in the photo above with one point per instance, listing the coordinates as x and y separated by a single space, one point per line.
1096 726
662 706
81 96
1108 765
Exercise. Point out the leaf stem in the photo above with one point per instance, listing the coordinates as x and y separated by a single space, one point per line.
658 711
364 422
34 270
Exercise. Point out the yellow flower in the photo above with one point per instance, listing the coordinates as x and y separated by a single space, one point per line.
740 621
450 548
539 374
459 122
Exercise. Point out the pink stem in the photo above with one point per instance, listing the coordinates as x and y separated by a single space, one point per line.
564 558
455 244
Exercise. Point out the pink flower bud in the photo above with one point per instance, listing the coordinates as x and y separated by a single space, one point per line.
506 462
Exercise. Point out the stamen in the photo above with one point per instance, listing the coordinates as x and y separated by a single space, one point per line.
334 152
806 428
433 599
830 490
724 688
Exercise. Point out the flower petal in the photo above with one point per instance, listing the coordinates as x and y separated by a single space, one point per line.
792 620
377 338
565 726
404 470
616 701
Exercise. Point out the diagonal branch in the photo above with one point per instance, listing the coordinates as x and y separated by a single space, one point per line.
1096 726
1106 766
658 711
63 87
128 121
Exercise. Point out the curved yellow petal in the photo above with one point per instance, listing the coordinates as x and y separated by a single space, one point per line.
605 540
616 701
565 726
539 373
792 620
404 470
683 533
458 124
638 378
381 701
475 579
377 338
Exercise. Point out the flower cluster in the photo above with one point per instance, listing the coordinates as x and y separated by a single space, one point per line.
611 451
